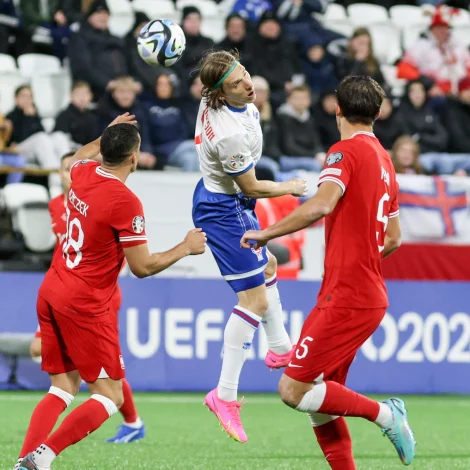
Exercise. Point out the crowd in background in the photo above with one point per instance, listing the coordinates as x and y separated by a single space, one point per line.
295 62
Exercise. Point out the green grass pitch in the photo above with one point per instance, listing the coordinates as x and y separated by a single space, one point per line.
182 434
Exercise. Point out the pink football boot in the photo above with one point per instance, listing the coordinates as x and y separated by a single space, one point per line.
228 414
276 361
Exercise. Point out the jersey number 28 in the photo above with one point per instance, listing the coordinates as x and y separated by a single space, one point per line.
382 218
72 243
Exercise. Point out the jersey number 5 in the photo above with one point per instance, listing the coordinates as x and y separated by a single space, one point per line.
382 218
72 243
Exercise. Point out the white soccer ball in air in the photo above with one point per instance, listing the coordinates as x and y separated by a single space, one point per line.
161 42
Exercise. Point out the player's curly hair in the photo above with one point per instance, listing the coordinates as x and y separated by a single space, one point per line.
213 66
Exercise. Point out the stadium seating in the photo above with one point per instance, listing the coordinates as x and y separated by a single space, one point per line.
407 15
27 203
9 81
463 33
411 33
154 10
31 64
51 93
364 14
7 63
207 8
462 18
335 12
386 41
119 6
344 26
213 28
121 23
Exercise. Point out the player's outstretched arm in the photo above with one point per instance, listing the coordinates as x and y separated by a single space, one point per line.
314 209
91 151
392 237
143 264
256 189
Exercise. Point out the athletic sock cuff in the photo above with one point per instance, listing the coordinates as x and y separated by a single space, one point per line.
66 397
249 317
108 404
272 281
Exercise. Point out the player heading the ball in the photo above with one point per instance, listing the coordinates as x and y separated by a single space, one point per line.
229 143
358 196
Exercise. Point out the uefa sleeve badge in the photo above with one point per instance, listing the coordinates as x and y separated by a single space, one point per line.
237 162
138 224
333 158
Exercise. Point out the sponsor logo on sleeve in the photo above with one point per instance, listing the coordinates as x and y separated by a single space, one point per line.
333 158
237 162
138 224
331 171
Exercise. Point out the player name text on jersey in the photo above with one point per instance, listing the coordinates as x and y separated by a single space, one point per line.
80 205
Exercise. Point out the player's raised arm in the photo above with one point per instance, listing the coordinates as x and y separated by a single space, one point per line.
392 237
91 151
314 209
143 264
257 189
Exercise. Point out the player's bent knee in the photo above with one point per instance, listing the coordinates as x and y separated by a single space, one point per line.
288 392
271 267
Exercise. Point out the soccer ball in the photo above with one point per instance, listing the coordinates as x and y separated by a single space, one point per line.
161 42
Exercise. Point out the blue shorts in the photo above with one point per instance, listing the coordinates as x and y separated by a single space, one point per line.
225 218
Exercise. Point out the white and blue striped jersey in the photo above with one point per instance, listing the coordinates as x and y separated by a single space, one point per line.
229 142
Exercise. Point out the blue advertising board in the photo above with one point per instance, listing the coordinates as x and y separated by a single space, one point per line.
172 331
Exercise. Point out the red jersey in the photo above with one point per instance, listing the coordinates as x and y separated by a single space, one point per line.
58 216
103 217
355 230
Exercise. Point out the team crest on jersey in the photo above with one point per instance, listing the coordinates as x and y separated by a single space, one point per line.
333 158
138 224
237 162
258 252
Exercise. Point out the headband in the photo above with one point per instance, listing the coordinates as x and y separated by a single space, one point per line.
229 71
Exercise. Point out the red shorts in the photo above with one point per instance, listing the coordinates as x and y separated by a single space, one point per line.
329 341
70 343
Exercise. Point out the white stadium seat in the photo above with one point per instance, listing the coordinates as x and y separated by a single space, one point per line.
51 93
27 204
206 7
363 14
48 124
161 9
386 40
7 63
213 28
462 33
411 33
120 24
408 14
397 84
30 64
344 27
335 12
9 82
119 6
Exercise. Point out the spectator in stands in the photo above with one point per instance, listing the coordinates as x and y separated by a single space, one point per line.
325 119
48 29
168 129
420 121
299 141
275 59
236 38
439 55
405 153
389 125
196 43
77 125
191 103
96 56
14 39
317 66
28 136
122 98
141 71
358 58
8 156
72 11
456 119
251 10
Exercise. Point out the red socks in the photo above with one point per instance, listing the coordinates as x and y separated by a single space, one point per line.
43 420
82 421
128 410
341 401
335 442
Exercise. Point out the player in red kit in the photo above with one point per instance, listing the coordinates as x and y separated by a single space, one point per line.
358 196
132 429
105 224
